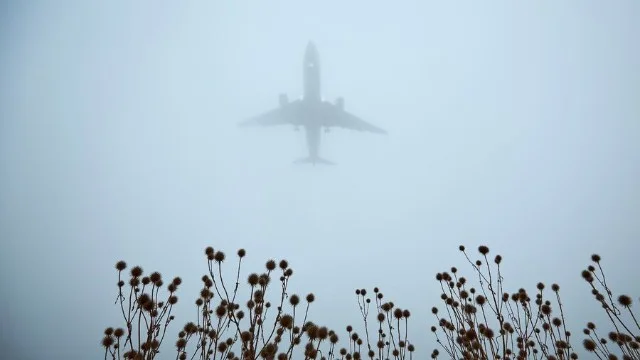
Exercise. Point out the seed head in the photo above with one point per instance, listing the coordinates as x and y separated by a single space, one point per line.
143 299
312 332
258 296
219 256
310 297
121 265
323 332
589 345
286 321
397 313
483 250
488 333
242 253
246 336
270 265
595 258
107 341
155 277
555 287
136 271
624 300
263 279
288 272
253 279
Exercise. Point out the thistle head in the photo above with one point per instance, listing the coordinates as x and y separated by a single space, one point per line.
121 265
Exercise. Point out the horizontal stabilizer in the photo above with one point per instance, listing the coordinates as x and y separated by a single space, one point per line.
313 160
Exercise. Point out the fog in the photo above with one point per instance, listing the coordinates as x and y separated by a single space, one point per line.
514 125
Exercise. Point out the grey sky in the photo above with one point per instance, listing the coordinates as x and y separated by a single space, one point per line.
512 124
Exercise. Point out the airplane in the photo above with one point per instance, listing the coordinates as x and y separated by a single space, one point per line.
311 111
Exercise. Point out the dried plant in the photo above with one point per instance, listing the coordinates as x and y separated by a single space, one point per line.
146 316
229 328
478 321
486 322
626 329
391 330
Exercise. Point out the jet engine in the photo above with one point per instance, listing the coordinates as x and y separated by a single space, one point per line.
340 103
284 99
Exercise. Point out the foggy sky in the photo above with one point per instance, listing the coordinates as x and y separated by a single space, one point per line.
515 125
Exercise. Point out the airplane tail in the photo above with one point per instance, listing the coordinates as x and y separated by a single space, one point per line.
314 161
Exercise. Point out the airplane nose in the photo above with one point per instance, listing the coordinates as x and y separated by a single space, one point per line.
311 53
311 45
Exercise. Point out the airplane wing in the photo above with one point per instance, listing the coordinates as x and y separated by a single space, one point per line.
338 117
286 114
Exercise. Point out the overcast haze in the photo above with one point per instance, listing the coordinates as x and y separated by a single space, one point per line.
511 124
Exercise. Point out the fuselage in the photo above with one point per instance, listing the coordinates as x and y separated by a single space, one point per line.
311 74
311 98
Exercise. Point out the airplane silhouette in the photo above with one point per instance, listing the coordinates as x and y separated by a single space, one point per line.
311 111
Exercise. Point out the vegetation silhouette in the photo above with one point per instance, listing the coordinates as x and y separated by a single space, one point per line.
228 327
481 321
